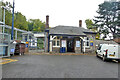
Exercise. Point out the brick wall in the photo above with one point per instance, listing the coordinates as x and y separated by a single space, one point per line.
117 40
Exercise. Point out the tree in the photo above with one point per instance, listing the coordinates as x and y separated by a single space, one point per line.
20 21
8 14
89 23
107 21
36 25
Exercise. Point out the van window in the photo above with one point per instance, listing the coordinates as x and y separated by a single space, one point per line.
99 48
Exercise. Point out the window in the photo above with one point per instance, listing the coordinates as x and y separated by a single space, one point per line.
33 42
56 42
25 38
99 48
30 37
87 42
53 43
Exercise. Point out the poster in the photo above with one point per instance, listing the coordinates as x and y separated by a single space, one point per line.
77 43
63 43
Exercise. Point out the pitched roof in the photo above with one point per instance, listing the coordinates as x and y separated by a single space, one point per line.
69 30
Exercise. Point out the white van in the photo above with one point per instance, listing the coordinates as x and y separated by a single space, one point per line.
108 52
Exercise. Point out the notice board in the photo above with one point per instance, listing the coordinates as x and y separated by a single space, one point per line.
77 43
63 43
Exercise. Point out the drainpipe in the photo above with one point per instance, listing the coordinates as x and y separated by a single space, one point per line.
45 41
51 43
84 46
48 42
81 45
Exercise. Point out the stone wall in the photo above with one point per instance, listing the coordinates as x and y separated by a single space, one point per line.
77 49
90 49
117 40
56 50
92 39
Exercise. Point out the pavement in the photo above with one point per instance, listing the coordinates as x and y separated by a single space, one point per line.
59 66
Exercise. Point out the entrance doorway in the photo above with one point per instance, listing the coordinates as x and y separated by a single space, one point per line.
70 45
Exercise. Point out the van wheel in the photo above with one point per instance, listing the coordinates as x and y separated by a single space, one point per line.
104 58
20 54
97 55
118 60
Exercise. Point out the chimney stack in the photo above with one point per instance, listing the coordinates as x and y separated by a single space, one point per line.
47 22
80 23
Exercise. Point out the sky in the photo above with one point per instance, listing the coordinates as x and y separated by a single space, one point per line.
61 12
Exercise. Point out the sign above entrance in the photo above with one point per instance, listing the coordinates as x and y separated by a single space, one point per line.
70 37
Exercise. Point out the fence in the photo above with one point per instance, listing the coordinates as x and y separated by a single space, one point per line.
37 45
4 45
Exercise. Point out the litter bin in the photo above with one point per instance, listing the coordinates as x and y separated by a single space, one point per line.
20 49
62 50
12 47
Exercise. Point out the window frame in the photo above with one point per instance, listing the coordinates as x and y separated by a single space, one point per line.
87 41
56 42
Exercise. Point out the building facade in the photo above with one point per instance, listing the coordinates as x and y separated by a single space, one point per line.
73 39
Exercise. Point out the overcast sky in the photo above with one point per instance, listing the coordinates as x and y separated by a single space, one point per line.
61 12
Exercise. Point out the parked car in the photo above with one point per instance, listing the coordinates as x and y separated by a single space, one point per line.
108 52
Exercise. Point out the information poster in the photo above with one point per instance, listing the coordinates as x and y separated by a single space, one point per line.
77 43
91 43
63 43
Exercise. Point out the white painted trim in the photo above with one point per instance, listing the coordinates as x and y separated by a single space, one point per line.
56 41
56 46
3 45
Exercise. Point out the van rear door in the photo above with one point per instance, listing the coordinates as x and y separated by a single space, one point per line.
118 51
113 51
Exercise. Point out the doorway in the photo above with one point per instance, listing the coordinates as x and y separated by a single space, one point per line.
70 45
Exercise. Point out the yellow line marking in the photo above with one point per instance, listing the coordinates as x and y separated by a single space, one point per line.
7 61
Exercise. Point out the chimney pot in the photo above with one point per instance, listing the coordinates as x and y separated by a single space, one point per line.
47 21
80 23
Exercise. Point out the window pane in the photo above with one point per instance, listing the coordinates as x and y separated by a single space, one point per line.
87 43
53 43
25 38
87 38
58 43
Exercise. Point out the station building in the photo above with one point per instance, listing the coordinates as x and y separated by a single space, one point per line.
73 39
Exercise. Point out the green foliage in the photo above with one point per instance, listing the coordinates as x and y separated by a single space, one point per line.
8 18
107 21
20 20
89 23
98 36
36 25
40 43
